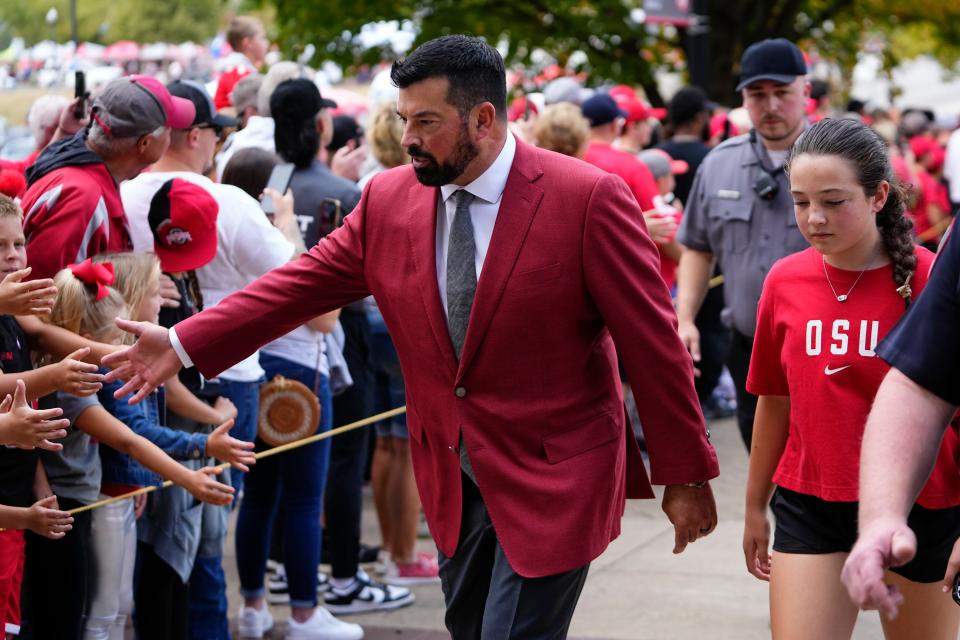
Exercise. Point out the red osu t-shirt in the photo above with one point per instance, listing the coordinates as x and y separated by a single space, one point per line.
820 353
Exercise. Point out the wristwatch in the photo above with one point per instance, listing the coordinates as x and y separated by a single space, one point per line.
696 485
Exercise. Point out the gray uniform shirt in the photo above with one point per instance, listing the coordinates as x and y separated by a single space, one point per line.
74 472
747 234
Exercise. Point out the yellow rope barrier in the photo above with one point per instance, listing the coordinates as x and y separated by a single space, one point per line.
259 455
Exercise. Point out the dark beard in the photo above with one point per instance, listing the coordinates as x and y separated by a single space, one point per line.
436 174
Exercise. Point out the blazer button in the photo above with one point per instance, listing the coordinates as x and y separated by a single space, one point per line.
461 392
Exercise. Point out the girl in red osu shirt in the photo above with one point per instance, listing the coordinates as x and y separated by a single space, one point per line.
821 314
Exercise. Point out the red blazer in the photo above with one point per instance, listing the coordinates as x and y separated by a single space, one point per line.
569 272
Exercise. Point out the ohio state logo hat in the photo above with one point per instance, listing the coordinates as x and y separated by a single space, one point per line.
183 218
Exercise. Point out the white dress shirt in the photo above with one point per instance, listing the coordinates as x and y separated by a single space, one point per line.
487 190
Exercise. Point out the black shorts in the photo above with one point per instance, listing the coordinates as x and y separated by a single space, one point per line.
809 525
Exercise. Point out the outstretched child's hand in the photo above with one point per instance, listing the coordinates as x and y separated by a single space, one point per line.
76 377
205 488
44 518
222 446
225 407
28 428
33 297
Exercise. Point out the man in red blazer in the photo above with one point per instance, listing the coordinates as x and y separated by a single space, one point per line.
504 304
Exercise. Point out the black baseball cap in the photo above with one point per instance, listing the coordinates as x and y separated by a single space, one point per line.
206 112
776 59
600 109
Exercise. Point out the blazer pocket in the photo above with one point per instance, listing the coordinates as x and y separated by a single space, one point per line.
536 276
580 439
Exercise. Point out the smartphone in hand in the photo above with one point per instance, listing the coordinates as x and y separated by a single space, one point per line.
279 181
80 92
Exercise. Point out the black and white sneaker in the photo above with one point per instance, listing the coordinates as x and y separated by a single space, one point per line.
366 594
278 590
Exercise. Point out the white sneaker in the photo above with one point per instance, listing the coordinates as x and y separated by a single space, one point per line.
323 626
253 623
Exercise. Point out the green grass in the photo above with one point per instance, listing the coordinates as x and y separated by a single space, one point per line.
15 103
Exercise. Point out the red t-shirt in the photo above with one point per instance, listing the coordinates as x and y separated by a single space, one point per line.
930 192
627 166
820 353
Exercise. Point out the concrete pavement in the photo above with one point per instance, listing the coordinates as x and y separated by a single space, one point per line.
637 590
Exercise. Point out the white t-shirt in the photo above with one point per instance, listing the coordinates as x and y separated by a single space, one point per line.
303 345
258 133
248 246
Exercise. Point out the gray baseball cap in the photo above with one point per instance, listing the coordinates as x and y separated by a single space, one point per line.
136 105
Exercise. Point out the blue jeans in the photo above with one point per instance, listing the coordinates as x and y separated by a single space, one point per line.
208 600
208 584
296 479
246 397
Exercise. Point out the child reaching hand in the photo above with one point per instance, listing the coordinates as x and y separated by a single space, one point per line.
86 304
137 278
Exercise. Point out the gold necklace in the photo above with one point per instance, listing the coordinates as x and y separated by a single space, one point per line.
841 297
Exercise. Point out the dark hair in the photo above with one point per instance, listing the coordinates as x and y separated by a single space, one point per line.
250 170
686 105
294 106
866 151
473 68
345 129
819 89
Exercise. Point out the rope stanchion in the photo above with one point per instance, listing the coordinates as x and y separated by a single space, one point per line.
259 455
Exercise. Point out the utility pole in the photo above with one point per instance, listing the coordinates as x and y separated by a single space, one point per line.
698 46
73 23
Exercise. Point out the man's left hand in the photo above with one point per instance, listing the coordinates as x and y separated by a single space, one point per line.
691 510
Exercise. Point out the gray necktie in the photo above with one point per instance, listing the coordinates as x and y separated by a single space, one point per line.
461 287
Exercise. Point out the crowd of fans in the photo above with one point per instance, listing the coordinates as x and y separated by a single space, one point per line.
149 210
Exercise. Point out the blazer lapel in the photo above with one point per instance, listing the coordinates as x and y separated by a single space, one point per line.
422 233
519 204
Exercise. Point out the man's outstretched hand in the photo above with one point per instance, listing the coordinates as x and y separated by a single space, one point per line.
145 365
882 544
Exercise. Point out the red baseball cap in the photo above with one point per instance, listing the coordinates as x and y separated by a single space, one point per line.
637 109
921 146
718 122
183 218
622 91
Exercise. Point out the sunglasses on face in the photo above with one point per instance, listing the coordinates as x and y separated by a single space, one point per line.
217 129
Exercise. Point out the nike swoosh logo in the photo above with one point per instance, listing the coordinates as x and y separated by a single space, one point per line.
827 370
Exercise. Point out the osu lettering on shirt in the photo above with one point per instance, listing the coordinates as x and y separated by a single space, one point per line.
822 354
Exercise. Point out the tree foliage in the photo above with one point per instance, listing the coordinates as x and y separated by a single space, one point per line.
108 21
620 49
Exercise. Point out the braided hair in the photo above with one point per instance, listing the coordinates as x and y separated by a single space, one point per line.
866 151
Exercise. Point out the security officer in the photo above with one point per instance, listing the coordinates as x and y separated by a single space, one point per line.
740 211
